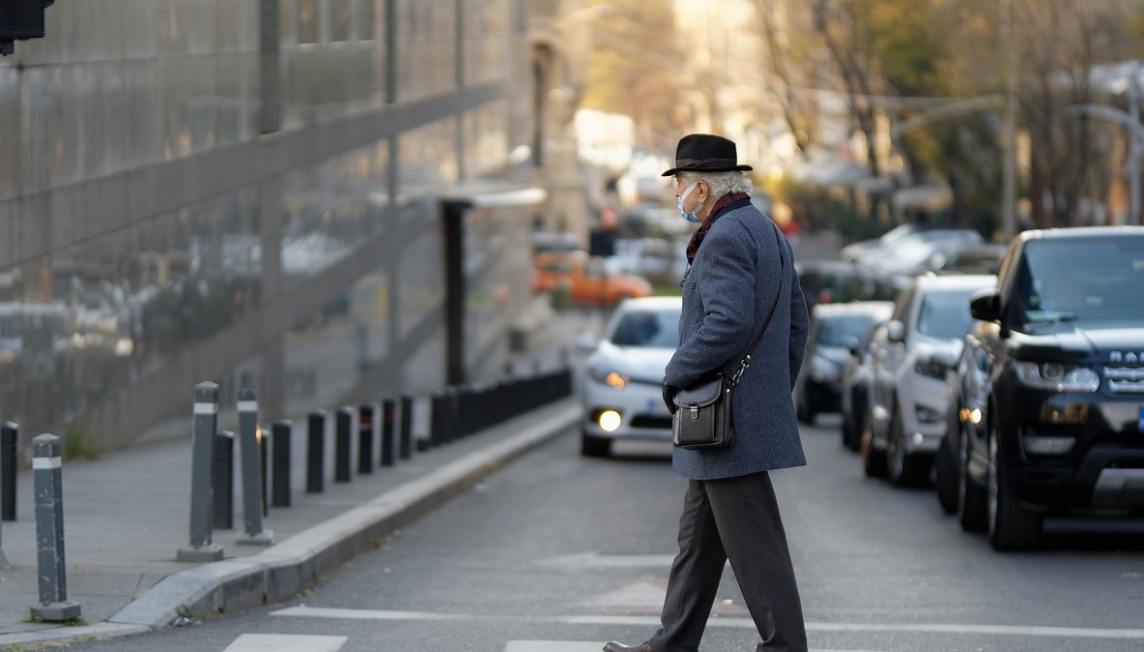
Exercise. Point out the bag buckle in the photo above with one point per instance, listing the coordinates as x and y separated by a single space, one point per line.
694 412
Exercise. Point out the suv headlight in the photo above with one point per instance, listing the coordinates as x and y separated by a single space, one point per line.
607 376
1057 377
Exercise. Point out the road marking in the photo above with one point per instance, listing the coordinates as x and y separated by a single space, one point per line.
590 646
286 643
919 628
744 623
361 614
595 560
640 594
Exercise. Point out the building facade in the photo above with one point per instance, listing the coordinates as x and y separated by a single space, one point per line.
254 192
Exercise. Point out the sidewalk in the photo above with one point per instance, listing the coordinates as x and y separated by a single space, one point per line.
126 516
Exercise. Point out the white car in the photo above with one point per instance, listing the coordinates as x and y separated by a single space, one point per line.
906 418
623 376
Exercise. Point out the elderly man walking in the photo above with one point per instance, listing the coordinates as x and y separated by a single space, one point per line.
739 273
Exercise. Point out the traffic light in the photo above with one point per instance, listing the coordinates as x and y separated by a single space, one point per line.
21 20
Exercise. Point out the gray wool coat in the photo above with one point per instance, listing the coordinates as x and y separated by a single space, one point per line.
726 297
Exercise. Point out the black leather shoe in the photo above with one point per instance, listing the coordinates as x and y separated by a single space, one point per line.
616 646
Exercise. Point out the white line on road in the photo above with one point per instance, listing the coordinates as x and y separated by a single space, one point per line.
361 614
917 628
286 643
747 623
589 646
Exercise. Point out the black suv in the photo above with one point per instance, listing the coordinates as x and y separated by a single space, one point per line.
1060 346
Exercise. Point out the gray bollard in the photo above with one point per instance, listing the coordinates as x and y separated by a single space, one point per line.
365 439
250 441
203 433
316 452
343 456
222 480
9 436
48 480
405 448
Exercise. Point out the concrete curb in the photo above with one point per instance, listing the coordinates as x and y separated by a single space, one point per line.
287 568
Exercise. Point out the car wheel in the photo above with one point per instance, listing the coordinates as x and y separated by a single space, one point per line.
945 472
595 446
873 460
903 469
971 499
853 438
804 411
1011 527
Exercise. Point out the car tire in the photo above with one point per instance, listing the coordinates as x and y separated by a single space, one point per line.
972 506
1011 526
903 469
945 472
804 411
873 460
853 439
595 446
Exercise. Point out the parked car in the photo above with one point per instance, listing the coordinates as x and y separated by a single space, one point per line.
907 411
832 281
926 251
1061 428
867 250
835 331
623 375
587 279
857 374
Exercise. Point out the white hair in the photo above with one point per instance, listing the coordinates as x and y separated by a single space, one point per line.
720 183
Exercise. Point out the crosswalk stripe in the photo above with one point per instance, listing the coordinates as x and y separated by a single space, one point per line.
286 643
747 623
361 614
590 646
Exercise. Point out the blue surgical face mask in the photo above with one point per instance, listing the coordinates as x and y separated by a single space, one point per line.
692 216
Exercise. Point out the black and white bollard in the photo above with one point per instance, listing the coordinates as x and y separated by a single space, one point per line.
203 432
48 481
343 456
222 479
249 436
280 449
365 439
316 452
405 448
9 435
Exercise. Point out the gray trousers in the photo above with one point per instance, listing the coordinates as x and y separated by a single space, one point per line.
736 519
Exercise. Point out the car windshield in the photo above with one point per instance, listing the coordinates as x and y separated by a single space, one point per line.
647 328
944 314
1097 280
841 330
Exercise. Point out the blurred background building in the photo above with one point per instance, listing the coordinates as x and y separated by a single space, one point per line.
323 199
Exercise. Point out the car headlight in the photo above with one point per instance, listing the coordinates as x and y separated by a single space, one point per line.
1057 377
823 370
607 376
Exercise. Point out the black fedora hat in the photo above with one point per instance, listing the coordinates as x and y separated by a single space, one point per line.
705 153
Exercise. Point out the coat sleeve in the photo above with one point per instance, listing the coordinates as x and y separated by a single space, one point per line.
727 293
799 322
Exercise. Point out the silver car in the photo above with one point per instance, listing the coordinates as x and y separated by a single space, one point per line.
623 375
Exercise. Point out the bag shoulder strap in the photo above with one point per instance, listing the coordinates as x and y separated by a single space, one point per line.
759 338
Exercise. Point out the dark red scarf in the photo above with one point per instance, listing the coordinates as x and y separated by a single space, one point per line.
716 211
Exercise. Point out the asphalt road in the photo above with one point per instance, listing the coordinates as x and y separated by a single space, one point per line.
558 554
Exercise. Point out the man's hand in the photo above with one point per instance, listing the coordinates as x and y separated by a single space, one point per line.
669 396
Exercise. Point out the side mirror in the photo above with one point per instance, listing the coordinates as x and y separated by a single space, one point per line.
985 305
585 341
896 331
852 344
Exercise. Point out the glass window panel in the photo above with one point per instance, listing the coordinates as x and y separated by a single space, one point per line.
307 17
341 19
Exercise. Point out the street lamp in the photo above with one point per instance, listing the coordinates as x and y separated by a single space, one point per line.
1135 141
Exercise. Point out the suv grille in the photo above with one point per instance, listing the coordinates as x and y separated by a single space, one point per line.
1125 380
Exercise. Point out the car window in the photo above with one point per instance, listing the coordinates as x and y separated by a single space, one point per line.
944 314
647 328
1101 281
841 331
